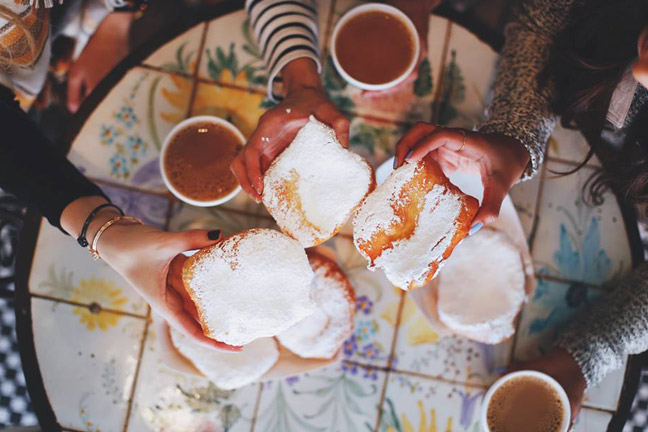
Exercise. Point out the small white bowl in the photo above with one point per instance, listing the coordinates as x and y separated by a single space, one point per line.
183 124
527 373
375 7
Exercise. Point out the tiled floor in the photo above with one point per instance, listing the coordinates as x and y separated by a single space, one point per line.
398 373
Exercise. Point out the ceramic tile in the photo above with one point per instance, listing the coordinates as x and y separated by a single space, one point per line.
606 394
240 107
121 139
569 145
414 403
341 397
62 269
421 349
231 54
88 357
373 139
580 242
410 102
592 421
179 55
525 199
186 217
467 76
377 304
151 209
169 401
549 310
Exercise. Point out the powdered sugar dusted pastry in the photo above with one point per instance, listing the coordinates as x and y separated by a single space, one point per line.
314 186
411 223
250 285
229 370
481 288
321 334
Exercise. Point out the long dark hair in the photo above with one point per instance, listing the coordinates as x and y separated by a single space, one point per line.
588 59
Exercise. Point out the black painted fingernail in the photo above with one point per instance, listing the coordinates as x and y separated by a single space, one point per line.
395 163
408 155
213 235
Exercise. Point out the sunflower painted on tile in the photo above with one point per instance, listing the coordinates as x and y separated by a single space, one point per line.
97 292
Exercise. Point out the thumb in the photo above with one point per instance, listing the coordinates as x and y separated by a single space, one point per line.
494 194
198 239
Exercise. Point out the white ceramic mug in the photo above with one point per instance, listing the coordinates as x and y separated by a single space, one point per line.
183 124
375 7
566 420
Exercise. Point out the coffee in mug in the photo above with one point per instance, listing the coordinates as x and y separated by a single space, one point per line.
526 401
196 160
375 46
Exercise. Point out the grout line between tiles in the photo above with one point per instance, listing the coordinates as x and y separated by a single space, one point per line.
536 212
442 380
257 406
86 305
381 401
603 410
162 70
572 163
137 369
194 83
436 103
567 281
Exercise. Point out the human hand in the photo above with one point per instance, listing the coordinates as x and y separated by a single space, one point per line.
107 47
562 367
499 159
279 125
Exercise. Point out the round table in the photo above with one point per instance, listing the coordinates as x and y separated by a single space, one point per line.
87 345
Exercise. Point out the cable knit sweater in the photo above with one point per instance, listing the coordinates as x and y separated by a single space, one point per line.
601 337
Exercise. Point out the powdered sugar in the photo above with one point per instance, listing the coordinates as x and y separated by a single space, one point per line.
229 370
408 260
251 285
312 188
481 288
321 334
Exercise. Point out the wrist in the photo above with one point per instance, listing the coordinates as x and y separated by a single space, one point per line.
301 74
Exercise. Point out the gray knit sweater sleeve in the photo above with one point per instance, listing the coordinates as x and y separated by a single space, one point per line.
601 337
520 108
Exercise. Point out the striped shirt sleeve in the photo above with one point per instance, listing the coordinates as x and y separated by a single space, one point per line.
285 30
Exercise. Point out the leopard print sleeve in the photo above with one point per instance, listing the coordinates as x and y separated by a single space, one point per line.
520 108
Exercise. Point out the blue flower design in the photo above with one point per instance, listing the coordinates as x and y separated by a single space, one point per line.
127 116
350 346
136 146
119 166
370 373
365 329
468 404
370 351
364 305
351 368
108 134
292 380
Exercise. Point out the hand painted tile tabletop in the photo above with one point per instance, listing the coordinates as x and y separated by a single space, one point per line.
398 374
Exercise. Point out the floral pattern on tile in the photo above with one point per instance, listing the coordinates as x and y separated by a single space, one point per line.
410 102
243 108
169 401
419 404
94 370
185 217
421 349
377 305
180 55
552 306
121 140
341 397
62 269
467 76
151 209
525 199
231 50
581 242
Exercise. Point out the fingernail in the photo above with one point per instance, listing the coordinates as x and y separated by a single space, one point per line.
213 235
407 156
395 162
475 228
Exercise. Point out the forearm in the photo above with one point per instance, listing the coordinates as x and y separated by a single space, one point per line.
521 107
32 169
284 31
602 337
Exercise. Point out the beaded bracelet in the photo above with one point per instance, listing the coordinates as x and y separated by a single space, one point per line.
93 247
82 237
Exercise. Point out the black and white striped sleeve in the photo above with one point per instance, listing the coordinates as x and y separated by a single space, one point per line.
285 30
